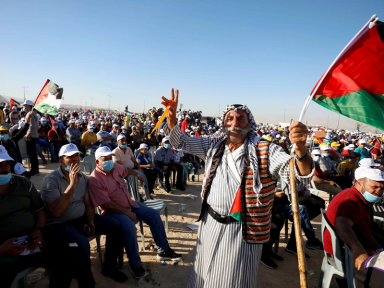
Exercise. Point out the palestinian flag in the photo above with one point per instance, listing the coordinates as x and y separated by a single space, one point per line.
13 102
49 98
236 206
354 84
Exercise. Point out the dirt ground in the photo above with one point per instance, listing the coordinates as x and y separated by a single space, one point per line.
183 240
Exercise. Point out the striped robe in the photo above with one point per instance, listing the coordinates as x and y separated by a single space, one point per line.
223 259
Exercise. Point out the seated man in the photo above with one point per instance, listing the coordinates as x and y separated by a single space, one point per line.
350 214
105 138
329 168
362 150
164 161
150 171
194 161
109 191
73 134
56 137
348 166
22 221
71 217
42 141
89 138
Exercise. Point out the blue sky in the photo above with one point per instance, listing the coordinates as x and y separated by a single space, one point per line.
266 54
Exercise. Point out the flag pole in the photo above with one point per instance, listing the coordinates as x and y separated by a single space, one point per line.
292 176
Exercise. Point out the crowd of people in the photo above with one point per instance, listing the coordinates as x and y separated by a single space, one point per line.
40 226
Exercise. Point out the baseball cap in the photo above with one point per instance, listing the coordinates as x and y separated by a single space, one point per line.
316 152
352 146
103 151
325 147
362 141
124 127
115 125
335 144
68 150
367 172
367 162
143 146
3 128
165 139
121 136
72 121
4 154
19 169
27 102
278 136
43 119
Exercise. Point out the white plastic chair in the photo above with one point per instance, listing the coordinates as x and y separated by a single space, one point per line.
89 164
350 270
328 270
23 273
23 151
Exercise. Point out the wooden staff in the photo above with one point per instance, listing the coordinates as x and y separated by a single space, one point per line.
296 221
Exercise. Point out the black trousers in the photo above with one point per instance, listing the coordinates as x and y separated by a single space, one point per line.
31 151
277 224
53 257
168 170
151 177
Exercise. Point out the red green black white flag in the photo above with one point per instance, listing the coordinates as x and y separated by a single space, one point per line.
354 84
49 98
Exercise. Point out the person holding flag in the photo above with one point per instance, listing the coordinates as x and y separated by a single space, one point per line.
31 137
229 248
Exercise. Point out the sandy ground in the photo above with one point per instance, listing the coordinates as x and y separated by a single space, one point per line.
183 240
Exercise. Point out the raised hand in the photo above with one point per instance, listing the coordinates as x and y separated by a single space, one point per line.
171 117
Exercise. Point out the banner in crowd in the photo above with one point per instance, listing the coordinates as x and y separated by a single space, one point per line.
49 98
354 85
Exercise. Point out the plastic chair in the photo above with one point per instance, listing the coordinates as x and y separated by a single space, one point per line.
153 204
23 151
89 163
24 273
328 270
316 191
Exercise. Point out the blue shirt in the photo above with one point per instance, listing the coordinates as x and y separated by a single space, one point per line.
363 152
142 160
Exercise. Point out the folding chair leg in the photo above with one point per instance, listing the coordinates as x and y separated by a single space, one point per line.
286 230
166 218
100 254
142 235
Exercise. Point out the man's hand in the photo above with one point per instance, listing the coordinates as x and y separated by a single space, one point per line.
141 179
279 194
298 135
9 249
73 172
27 138
359 259
131 216
38 237
171 117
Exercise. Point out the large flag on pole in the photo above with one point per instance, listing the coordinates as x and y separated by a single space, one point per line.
14 102
354 84
49 98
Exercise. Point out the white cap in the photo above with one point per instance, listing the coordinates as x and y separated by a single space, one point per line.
19 168
68 150
367 172
102 123
103 151
165 139
278 136
121 136
189 117
4 154
115 125
352 146
362 141
27 102
124 127
14 107
329 130
367 162
152 124
161 130
187 130
43 119
72 121
325 147
90 126
143 146
348 148
79 121
316 152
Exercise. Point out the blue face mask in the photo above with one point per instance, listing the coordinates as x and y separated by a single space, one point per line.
44 122
56 127
108 165
4 137
316 158
123 146
4 179
325 154
24 110
68 168
167 146
369 197
90 130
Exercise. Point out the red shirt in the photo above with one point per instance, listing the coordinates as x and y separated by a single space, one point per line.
319 172
112 187
351 204
52 133
184 125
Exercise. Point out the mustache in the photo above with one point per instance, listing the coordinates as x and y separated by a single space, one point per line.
237 128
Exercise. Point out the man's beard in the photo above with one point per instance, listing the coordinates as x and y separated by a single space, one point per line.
243 131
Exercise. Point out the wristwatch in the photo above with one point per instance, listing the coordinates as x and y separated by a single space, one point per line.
302 158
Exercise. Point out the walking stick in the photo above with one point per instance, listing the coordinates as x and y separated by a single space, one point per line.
296 221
